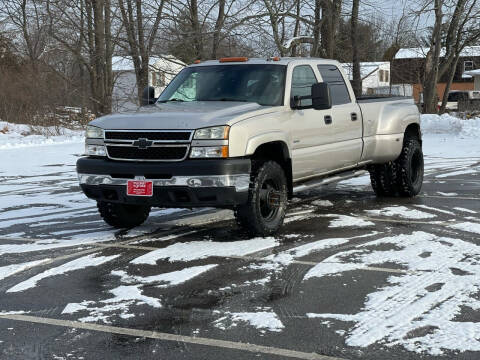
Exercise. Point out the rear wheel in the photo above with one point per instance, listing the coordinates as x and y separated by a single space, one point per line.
123 216
383 178
410 168
264 212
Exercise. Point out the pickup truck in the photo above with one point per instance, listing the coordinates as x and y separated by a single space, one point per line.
246 134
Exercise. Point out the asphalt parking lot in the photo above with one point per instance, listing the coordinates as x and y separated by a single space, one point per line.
350 276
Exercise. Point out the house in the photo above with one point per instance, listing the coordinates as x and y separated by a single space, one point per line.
162 70
376 79
408 67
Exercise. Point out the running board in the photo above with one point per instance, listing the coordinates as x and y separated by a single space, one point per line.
328 180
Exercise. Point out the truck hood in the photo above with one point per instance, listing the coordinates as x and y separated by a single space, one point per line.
182 115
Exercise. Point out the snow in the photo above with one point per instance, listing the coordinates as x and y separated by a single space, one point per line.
435 209
421 52
170 279
262 320
459 172
348 221
19 135
124 297
467 226
401 211
77 264
9 270
441 283
202 249
465 210
450 125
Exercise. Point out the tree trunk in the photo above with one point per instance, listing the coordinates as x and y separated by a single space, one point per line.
357 80
451 75
218 28
432 61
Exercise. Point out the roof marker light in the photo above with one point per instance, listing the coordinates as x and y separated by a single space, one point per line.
233 59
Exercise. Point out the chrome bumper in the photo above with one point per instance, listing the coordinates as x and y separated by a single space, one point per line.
241 182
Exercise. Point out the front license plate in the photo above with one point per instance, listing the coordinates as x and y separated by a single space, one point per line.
139 188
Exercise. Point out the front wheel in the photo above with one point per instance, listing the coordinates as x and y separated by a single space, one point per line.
264 212
123 216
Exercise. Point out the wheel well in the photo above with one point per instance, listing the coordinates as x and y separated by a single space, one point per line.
277 151
413 131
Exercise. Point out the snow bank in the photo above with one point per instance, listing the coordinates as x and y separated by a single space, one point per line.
20 135
448 124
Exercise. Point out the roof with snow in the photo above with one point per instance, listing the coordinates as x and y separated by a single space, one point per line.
125 63
421 52
366 68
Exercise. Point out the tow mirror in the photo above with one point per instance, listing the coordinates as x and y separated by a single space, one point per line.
148 96
321 99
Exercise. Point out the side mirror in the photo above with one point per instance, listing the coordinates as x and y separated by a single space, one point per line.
321 99
148 96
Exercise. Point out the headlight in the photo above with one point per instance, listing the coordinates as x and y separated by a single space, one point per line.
95 150
212 133
209 152
94 132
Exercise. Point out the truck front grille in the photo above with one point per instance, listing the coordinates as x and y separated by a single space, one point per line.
153 153
150 135
148 145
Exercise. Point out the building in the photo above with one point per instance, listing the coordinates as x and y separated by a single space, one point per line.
162 70
408 67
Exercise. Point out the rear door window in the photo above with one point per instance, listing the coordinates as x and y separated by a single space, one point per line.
333 77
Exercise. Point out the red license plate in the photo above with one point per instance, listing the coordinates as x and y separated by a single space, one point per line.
139 188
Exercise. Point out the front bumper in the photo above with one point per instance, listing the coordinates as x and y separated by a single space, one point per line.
190 183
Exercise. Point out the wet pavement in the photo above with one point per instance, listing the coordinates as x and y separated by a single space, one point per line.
349 276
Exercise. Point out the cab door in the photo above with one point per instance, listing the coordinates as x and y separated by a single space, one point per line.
347 141
312 131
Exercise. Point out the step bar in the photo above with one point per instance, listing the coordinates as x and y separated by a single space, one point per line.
328 180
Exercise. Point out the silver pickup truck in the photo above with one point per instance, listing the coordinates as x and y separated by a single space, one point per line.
245 134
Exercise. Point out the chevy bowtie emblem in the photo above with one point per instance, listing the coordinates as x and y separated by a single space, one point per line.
142 143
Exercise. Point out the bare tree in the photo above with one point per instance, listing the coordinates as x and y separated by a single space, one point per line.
357 79
141 35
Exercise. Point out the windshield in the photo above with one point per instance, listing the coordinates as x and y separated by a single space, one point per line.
262 84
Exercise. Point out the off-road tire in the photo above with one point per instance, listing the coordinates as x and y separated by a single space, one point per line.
123 216
383 178
410 168
256 216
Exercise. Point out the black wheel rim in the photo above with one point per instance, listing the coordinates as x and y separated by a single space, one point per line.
271 199
417 167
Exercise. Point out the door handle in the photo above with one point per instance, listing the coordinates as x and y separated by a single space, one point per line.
354 116
328 119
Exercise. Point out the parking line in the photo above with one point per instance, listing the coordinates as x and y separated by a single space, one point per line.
225 344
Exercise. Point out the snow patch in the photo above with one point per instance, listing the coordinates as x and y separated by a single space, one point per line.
9 270
171 278
416 309
348 221
262 320
196 250
77 264
467 226
401 211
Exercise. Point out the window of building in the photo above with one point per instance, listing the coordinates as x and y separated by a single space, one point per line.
387 76
160 79
468 65
380 75
303 78
338 90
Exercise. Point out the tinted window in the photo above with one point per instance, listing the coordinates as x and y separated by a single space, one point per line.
263 84
303 78
333 77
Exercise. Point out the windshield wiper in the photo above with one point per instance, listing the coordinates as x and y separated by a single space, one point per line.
174 99
226 99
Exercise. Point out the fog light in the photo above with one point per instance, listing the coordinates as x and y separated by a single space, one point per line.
95 150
